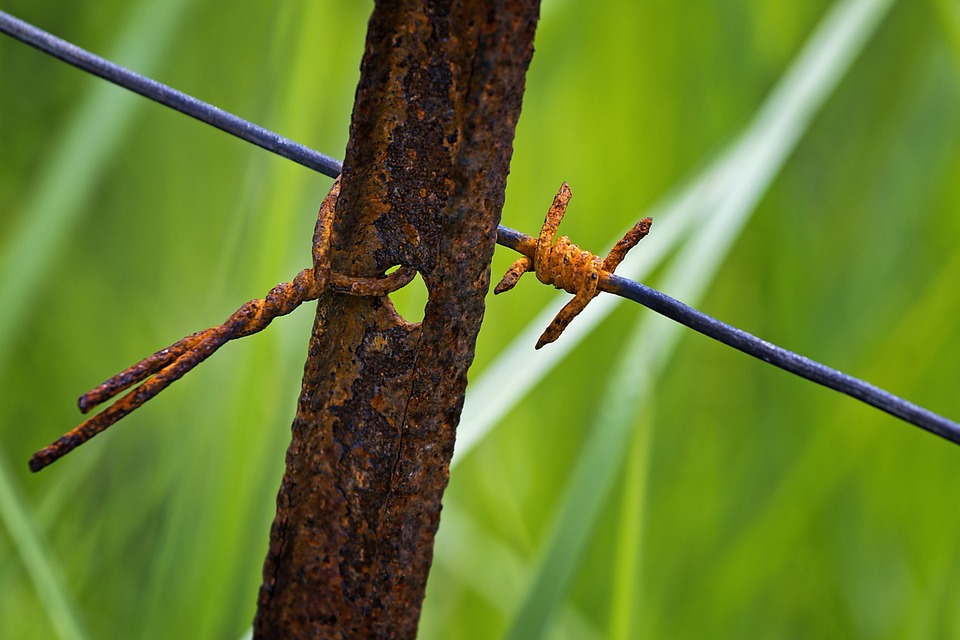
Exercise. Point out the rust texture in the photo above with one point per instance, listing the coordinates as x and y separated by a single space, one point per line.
163 368
565 265
424 175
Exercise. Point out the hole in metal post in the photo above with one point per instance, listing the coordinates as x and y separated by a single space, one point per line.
410 301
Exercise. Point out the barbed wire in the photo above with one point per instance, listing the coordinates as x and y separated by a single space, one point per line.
654 300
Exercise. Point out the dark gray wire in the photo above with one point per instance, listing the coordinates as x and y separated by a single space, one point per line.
787 360
168 96
651 298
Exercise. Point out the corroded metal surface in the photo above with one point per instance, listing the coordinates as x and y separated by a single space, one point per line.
423 181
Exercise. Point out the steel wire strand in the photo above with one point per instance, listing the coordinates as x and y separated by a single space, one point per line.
167 96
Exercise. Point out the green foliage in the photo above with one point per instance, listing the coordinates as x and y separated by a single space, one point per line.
641 481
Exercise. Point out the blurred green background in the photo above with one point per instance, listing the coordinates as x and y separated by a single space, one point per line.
633 480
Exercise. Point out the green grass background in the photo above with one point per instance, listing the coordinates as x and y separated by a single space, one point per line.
645 483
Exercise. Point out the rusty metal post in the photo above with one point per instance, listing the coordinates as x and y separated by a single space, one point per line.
430 144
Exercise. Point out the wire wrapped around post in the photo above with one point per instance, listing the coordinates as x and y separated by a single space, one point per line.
158 371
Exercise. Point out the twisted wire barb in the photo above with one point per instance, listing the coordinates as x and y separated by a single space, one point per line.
522 243
566 266
163 368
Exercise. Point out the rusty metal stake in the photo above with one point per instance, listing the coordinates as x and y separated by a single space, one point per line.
423 182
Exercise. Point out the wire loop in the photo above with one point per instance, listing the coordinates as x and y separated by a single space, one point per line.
566 266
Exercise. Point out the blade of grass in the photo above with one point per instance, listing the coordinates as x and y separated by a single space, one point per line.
60 198
626 606
762 151
800 496
949 13
462 538
38 560
69 177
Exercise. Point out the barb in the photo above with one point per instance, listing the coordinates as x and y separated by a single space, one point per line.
566 266
522 243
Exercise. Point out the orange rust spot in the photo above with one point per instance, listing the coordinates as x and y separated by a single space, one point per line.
411 235
379 402
379 343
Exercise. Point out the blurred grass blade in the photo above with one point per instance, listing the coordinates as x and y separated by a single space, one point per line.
463 549
95 131
800 496
626 604
762 151
36 556
60 197
949 13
